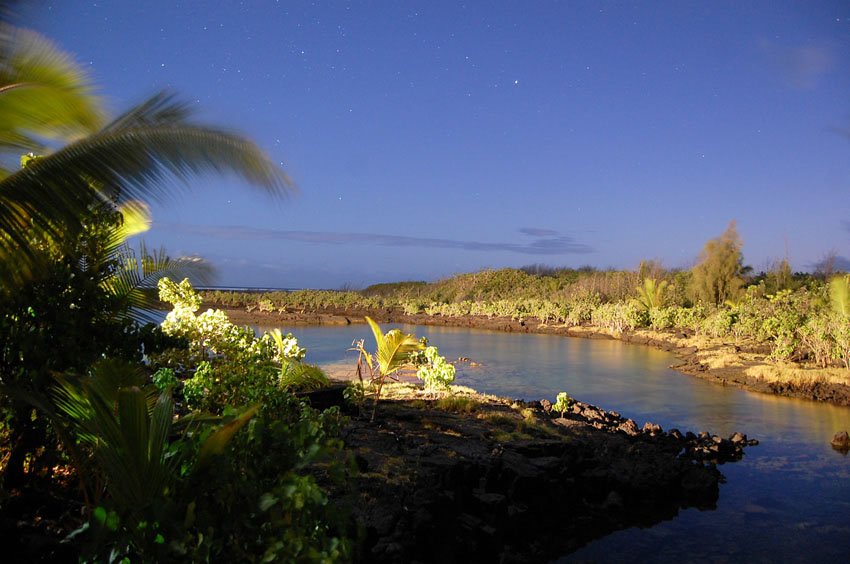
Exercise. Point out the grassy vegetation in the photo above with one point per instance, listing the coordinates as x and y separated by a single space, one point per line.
458 404
799 317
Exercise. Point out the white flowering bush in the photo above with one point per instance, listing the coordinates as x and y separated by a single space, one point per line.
434 370
212 333
286 346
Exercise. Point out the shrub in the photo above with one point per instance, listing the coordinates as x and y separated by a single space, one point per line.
689 317
164 378
718 323
581 308
662 317
433 369
562 403
620 316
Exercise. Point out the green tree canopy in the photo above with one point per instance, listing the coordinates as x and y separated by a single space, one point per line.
718 275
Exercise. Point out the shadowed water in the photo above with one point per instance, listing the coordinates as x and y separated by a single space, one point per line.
787 500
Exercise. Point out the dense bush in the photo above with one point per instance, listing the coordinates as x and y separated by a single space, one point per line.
791 319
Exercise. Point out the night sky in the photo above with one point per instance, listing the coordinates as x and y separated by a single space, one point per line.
430 138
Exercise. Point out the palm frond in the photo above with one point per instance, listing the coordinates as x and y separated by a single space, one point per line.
393 349
300 377
162 108
133 161
140 271
216 443
43 92
128 426
651 293
396 351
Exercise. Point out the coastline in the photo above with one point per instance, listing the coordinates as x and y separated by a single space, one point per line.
500 480
743 365
504 480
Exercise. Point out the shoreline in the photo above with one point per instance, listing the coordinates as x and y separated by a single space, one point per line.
500 480
743 365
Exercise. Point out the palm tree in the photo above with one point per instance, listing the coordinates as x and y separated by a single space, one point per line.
50 209
392 353
136 156
651 293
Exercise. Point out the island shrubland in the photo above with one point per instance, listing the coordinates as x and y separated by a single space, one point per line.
773 331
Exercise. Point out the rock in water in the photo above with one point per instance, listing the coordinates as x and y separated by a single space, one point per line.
841 442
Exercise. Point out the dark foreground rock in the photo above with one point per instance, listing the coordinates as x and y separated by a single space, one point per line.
508 481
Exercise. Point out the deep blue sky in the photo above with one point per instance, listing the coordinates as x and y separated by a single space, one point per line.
429 138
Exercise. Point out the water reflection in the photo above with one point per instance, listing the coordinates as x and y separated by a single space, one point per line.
789 499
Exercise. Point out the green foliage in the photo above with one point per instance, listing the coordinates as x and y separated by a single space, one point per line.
405 289
718 323
287 346
45 95
393 350
262 499
301 377
458 404
126 430
651 293
164 378
180 295
818 335
581 308
620 316
779 278
392 353
562 403
661 318
433 369
839 295
718 275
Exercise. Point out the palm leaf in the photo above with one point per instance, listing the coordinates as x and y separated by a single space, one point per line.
43 93
135 157
393 349
139 272
216 443
651 293
393 352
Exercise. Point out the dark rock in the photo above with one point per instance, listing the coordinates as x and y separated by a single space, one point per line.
525 500
841 442
652 429
614 501
629 427
738 438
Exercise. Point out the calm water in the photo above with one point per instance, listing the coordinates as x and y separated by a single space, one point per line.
788 500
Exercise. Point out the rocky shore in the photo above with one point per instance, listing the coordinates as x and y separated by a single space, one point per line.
742 365
475 478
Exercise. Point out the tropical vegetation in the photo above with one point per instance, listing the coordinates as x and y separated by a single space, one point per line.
796 316
186 441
